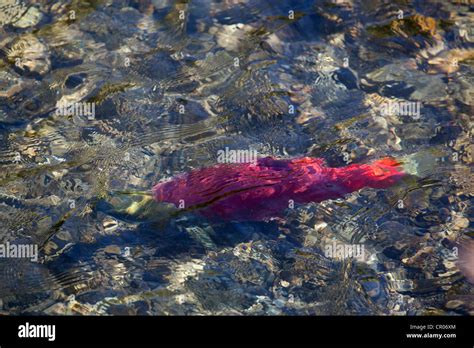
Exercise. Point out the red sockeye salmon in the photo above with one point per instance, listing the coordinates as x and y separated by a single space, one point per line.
262 190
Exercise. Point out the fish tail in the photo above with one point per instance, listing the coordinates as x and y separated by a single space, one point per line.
419 164
422 163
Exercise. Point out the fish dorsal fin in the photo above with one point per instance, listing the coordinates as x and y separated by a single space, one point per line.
309 160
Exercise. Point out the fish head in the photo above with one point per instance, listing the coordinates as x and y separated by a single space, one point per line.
136 208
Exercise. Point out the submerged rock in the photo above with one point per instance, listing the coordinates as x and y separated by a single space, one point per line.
30 55
9 84
31 18
11 11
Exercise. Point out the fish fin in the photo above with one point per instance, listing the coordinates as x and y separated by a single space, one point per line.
310 160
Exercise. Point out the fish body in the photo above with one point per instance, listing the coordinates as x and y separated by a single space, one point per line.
262 190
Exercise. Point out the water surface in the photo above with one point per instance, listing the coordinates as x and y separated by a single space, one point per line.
174 82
